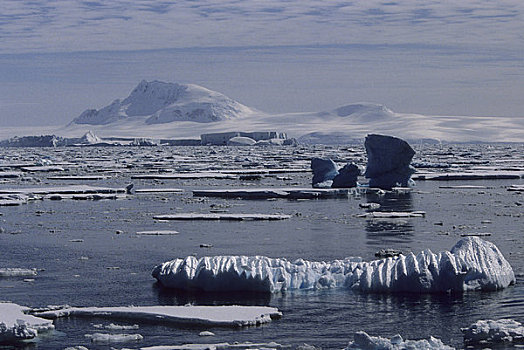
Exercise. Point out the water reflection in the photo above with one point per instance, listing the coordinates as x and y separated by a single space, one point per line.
380 231
167 296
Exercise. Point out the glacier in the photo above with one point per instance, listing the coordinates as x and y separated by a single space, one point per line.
472 264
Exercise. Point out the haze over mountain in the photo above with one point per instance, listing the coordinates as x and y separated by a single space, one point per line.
169 110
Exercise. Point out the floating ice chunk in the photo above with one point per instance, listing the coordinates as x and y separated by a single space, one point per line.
157 233
516 188
494 331
225 316
187 176
392 215
472 264
103 338
266 193
116 327
219 346
17 272
221 216
478 175
388 161
363 341
15 325
9 174
323 170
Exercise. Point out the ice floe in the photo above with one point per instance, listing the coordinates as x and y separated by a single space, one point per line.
157 233
479 175
494 331
223 316
266 193
516 188
219 346
17 272
363 341
472 264
109 338
392 215
221 216
15 325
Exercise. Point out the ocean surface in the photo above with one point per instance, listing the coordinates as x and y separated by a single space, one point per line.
88 253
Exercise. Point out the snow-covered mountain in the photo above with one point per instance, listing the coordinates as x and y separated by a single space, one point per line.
164 102
179 111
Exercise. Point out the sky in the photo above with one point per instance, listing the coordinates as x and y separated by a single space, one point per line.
58 58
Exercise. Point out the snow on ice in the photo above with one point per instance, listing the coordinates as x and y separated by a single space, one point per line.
224 316
494 331
472 264
15 325
363 341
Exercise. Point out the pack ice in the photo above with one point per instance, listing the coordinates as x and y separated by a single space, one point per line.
472 264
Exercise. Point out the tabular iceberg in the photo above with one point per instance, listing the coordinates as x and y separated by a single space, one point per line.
389 161
472 264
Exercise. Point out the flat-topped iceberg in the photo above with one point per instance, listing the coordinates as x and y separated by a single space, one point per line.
472 264
218 316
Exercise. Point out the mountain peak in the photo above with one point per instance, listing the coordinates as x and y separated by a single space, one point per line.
163 102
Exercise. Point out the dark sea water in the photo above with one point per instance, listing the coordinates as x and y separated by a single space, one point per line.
112 265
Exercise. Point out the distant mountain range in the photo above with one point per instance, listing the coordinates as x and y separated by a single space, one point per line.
158 109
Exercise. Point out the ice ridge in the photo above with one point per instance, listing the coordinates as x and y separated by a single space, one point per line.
472 264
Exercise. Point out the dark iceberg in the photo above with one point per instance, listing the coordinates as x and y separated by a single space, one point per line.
389 161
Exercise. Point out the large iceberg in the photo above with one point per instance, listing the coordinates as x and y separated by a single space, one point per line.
389 161
472 264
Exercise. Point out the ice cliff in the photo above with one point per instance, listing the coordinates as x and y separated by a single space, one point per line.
166 102
472 264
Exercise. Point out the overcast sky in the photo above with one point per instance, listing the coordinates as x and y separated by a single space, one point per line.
58 58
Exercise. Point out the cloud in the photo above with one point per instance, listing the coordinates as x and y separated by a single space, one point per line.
71 25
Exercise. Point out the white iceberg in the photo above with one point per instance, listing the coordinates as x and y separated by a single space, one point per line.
494 331
223 316
15 325
363 341
17 272
105 338
472 264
